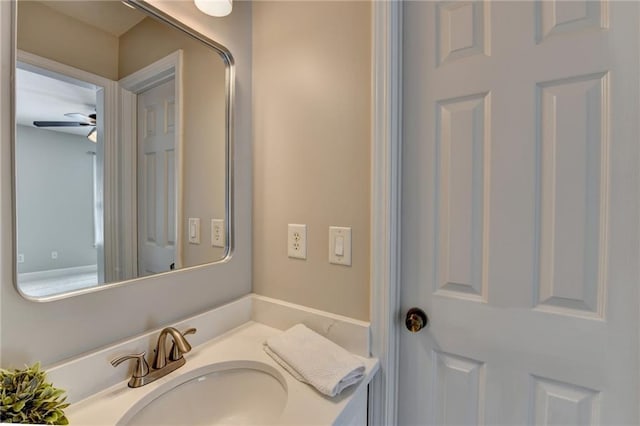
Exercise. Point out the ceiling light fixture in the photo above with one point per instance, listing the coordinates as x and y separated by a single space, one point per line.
214 7
93 135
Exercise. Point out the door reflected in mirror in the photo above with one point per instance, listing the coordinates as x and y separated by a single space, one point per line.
121 146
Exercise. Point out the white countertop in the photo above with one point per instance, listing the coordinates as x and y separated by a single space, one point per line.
304 406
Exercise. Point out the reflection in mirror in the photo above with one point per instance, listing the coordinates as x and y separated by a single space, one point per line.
121 147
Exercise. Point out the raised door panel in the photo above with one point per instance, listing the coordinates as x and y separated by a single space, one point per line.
463 149
555 17
562 404
462 29
573 149
458 390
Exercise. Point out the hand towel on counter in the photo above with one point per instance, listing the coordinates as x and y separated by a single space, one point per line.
314 359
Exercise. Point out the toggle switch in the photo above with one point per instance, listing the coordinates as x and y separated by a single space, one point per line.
340 245
194 230
339 251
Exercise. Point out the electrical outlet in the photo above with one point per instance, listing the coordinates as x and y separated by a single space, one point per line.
297 241
217 233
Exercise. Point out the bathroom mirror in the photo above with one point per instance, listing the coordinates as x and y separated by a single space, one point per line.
122 146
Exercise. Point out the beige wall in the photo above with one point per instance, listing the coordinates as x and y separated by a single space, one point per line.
204 119
52 35
311 126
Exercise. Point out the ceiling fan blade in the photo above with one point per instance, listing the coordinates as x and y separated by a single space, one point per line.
91 118
60 124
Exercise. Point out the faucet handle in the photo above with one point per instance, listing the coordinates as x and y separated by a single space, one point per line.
141 369
175 353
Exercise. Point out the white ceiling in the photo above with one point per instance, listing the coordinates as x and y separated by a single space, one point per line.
42 98
110 16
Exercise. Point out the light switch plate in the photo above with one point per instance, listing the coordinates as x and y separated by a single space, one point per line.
340 242
297 241
217 233
194 230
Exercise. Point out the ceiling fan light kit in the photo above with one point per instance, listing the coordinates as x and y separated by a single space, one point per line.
93 135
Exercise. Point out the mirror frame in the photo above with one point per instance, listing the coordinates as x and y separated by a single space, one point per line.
229 63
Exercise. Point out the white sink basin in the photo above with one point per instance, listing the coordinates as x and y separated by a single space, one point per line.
227 393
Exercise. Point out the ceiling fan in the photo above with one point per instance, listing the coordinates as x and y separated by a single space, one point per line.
83 121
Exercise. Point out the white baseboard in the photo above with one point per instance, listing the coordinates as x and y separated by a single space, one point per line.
57 273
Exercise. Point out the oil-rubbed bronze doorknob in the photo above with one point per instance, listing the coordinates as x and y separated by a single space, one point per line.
416 320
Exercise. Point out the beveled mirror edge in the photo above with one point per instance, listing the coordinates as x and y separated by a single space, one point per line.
229 62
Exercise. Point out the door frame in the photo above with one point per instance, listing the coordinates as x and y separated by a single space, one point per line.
109 190
169 67
386 202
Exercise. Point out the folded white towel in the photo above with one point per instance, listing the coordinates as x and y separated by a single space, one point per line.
315 360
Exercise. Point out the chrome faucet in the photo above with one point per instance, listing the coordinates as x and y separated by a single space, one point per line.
162 365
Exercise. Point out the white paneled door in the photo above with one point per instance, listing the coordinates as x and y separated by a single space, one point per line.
520 213
156 179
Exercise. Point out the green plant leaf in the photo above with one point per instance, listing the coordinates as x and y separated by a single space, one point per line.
51 418
18 406
33 385
26 397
